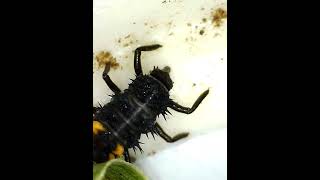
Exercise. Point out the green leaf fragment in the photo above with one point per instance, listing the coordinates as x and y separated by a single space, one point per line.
117 169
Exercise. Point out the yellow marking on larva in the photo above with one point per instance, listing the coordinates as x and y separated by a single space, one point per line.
111 156
97 126
119 150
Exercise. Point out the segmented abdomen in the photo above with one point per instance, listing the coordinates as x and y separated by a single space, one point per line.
130 114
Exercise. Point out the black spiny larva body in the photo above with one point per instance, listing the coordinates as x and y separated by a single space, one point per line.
134 111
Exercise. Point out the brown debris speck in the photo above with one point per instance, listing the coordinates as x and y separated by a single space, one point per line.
201 32
216 34
204 20
218 16
106 59
127 36
153 26
189 24
151 153
193 39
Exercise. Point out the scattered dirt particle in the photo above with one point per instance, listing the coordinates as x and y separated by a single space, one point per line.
131 42
216 34
134 22
192 39
136 40
170 34
127 36
152 153
153 26
189 24
146 24
106 59
217 17
187 39
204 20
201 32
194 84
202 8
196 27
126 57
119 41
126 45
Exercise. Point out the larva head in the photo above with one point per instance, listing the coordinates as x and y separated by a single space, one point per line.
163 76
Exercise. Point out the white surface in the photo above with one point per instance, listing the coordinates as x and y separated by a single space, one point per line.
203 157
201 60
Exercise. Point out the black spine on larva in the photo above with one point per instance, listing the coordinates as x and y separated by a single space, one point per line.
130 114
151 92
